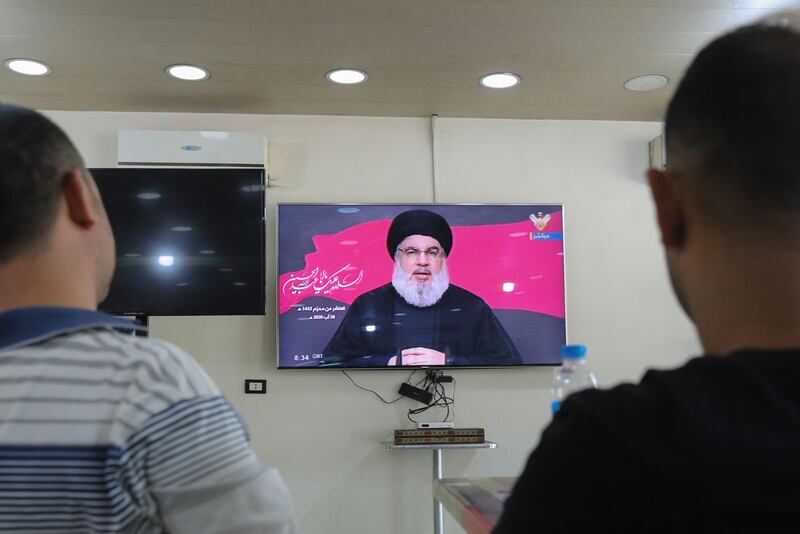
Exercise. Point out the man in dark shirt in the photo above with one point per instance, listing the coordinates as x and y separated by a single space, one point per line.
420 318
711 446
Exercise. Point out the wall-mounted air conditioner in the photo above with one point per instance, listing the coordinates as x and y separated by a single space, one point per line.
165 148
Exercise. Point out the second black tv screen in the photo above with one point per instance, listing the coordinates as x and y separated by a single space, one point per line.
188 241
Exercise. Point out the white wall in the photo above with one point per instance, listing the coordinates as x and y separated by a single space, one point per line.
323 433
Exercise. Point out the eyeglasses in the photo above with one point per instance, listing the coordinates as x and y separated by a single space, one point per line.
411 252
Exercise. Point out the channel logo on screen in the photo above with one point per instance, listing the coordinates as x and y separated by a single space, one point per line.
547 236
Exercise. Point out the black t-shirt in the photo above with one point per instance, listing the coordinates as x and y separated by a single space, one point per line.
713 446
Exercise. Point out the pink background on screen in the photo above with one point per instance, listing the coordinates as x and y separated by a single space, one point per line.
483 258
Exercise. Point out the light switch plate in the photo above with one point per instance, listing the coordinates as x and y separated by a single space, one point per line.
255 386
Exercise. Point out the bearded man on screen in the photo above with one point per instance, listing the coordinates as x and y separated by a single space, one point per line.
420 318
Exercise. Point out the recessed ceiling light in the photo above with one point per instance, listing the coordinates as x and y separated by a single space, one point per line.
27 66
192 73
181 228
149 196
347 76
647 82
500 80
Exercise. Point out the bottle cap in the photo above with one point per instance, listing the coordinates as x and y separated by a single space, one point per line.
573 351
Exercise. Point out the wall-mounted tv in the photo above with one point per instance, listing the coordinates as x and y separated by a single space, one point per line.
188 241
421 285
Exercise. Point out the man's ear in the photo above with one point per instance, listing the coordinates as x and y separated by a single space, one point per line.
670 208
80 205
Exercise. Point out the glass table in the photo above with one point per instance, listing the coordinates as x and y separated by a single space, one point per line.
437 448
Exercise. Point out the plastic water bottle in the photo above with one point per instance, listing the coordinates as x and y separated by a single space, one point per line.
573 375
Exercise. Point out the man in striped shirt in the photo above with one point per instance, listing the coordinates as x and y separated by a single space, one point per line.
101 431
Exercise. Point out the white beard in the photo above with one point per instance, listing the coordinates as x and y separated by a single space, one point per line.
420 294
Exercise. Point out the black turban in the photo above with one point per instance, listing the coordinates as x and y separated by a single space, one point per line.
419 222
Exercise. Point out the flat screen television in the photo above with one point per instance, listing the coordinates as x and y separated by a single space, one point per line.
430 285
188 241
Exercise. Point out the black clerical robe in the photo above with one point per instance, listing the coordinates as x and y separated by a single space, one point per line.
380 324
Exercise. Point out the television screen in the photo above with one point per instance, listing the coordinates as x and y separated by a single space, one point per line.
433 285
188 241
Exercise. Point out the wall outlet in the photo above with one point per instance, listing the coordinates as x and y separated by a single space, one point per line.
255 386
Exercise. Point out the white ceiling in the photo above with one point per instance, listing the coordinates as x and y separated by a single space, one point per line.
422 56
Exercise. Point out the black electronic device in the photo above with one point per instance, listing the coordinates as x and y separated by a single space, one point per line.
419 395
188 241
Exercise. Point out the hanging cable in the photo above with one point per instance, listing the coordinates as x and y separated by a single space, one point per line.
408 381
433 383
435 156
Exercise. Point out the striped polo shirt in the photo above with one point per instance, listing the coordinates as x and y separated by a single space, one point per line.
101 431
